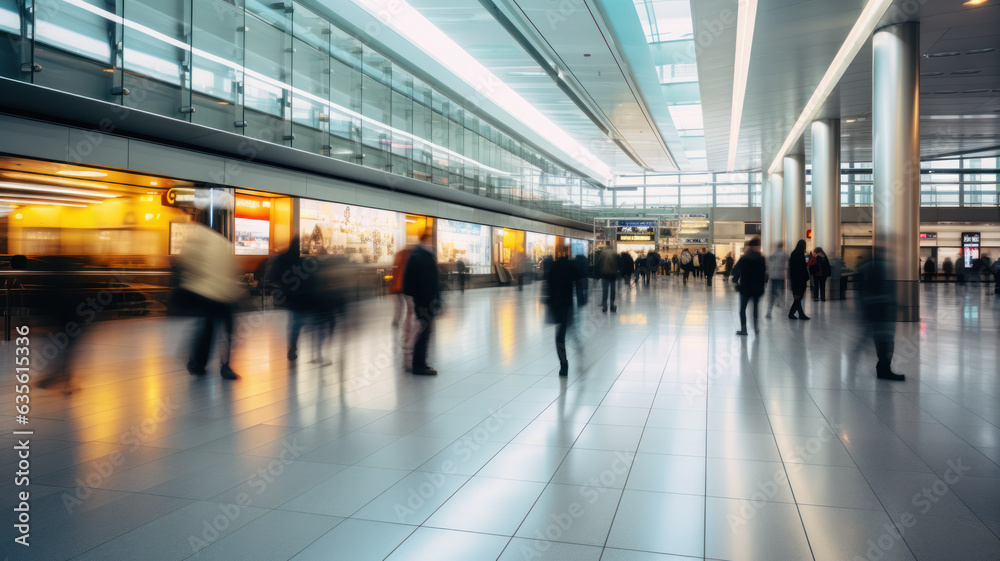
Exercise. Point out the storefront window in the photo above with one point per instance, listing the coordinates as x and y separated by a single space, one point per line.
253 225
363 235
462 241
538 246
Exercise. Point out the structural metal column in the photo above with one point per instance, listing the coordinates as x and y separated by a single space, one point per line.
795 200
896 160
826 196
772 226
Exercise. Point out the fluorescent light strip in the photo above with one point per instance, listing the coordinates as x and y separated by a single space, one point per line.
59 190
275 83
746 18
419 31
40 202
856 39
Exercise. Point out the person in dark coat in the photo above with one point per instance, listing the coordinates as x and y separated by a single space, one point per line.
709 262
930 268
653 263
608 267
290 275
798 279
641 271
750 275
879 303
727 264
628 267
420 282
947 268
561 286
821 273
581 264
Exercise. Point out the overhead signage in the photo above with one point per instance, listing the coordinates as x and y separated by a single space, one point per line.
636 237
636 226
971 238
751 229
695 241
928 235
255 208
703 215
180 197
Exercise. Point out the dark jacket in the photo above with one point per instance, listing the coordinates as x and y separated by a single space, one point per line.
561 286
628 264
798 272
708 261
293 281
420 281
824 266
751 273
653 260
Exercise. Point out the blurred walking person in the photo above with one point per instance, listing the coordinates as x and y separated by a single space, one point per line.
709 263
420 282
209 275
798 279
750 274
879 303
292 277
727 265
777 263
628 267
608 267
687 263
581 264
820 273
561 285
400 309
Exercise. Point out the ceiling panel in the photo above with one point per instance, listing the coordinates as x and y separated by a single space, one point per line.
794 43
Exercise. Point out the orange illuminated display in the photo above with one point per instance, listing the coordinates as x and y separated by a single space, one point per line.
255 208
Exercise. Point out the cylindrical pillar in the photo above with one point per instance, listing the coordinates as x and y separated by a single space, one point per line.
795 200
826 196
896 160
773 220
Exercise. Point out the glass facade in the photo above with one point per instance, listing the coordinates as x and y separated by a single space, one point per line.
282 74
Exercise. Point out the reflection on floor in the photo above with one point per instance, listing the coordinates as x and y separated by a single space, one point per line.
671 439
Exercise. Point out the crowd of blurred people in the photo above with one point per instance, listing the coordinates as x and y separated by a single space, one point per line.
317 289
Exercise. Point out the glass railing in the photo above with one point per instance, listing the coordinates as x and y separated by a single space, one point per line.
283 74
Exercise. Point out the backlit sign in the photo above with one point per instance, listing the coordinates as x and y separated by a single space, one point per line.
635 237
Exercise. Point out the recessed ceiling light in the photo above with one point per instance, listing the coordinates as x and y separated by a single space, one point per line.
153 183
928 74
969 71
985 90
973 2
944 54
850 120
981 51
81 173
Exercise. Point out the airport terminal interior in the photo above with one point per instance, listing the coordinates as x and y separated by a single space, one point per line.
500 280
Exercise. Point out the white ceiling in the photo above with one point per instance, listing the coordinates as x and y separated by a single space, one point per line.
794 43
474 29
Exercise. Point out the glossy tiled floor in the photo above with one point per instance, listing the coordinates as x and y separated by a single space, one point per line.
672 439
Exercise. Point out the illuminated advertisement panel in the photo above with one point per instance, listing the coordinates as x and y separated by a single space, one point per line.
466 242
362 234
